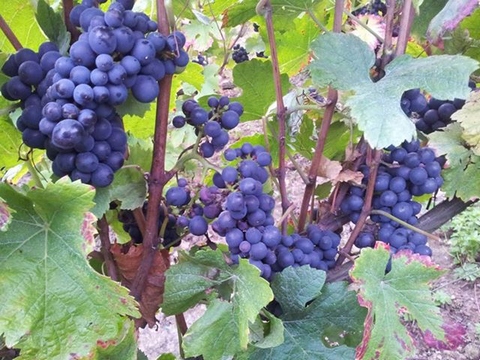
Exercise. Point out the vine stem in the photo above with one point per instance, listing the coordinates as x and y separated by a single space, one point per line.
157 178
374 160
67 8
104 234
387 44
322 133
9 34
265 7
408 12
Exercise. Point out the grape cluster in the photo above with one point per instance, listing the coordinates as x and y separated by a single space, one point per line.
168 222
201 60
239 54
431 114
30 75
247 223
375 7
213 125
408 170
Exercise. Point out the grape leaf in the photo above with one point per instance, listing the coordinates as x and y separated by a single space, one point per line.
47 288
20 16
344 61
266 334
10 141
449 18
124 348
235 15
258 90
428 10
403 290
53 26
188 282
461 176
333 315
130 187
467 117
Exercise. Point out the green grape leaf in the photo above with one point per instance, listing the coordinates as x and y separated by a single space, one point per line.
463 182
20 16
428 10
124 348
47 284
449 142
303 141
293 46
189 281
215 334
10 142
344 61
139 153
130 187
235 12
258 91
405 289
449 18
53 26
266 334
467 117
332 315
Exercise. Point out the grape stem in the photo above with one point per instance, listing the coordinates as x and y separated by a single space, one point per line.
286 214
387 44
322 134
33 172
264 7
405 224
373 160
158 176
104 234
408 13
316 21
10 34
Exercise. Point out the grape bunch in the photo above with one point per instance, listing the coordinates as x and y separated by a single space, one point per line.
431 114
239 54
213 125
375 7
247 223
30 75
165 220
201 60
408 170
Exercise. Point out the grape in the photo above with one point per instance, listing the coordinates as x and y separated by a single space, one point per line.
212 129
102 176
17 90
229 174
198 225
24 55
83 94
102 130
104 62
30 73
119 93
67 133
145 89
418 175
258 251
86 162
221 140
402 210
82 54
364 239
176 196
198 116
98 77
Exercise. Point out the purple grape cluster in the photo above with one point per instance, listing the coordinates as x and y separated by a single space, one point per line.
375 7
247 223
213 124
30 76
239 54
431 114
408 170
170 235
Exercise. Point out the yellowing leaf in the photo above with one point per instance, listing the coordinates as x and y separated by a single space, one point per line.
469 119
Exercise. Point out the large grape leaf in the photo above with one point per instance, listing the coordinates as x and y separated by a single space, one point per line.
54 305
258 90
10 141
449 18
404 290
344 61
462 178
192 278
331 316
20 16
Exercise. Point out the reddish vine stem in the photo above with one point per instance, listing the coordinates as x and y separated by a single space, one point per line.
322 133
157 178
67 8
408 12
265 7
9 34
317 157
387 43
140 220
373 159
104 234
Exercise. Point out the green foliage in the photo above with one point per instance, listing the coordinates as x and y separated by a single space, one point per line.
387 296
465 237
468 272
224 328
53 26
442 298
10 141
344 61
42 257
315 316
